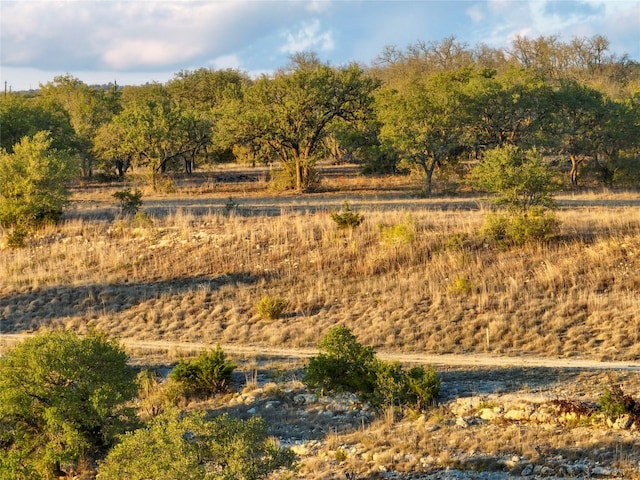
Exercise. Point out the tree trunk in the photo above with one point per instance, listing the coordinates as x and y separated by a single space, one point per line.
429 166
428 178
575 164
299 174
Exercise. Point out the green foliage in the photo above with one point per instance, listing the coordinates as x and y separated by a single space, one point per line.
347 218
271 308
614 403
523 184
190 447
21 117
418 387
519 180
423 386
518 229
242 450
130 202
461 285
32 182
293 113
62 401
207 374
17 237
346 365
343 364
423 118
399 234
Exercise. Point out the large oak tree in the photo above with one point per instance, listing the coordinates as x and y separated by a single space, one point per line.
291 113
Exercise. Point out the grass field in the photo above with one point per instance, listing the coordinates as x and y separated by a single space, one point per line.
416 276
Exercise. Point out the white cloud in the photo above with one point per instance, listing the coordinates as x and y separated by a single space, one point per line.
227 61
137 36
475 13
308 37
144 53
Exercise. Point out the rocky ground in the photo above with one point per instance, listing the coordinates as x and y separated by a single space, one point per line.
489 423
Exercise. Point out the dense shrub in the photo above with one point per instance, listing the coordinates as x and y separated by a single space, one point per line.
271 308
32 182
517 229
614 403
347 218
207 374
130 202
63 398
344 365
187 446
522 186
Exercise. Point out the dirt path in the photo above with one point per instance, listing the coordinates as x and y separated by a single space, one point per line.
472 360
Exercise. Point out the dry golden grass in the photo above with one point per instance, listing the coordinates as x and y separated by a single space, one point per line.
197 272
213 250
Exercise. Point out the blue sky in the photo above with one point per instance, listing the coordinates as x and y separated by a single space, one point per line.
136 41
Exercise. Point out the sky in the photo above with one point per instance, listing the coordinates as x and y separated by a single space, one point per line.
134 42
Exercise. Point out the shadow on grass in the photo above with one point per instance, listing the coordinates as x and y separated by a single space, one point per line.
39 308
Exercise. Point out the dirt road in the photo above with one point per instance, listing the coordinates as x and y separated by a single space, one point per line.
472 360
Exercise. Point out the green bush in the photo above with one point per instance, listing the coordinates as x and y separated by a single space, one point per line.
187 446
207 374
344 365
516 229
17 237
63 399
423 386
347 218
518 179
390 387
271 308
130 202
33 182
461 285
400 234
614 403
416 387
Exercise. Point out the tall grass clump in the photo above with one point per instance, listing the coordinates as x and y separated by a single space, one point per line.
399 234
271 308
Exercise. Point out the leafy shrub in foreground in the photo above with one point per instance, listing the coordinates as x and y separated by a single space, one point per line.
344 365
207 374
190 447
62 401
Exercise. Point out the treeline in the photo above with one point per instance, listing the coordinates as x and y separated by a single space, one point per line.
428 106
